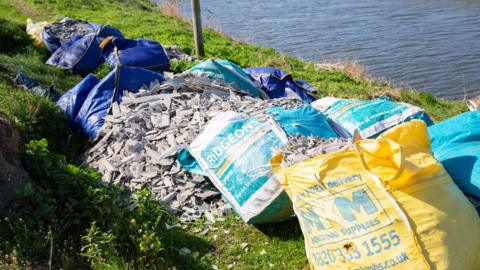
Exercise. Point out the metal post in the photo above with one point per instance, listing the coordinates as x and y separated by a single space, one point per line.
197 28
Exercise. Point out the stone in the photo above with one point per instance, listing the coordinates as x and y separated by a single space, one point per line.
184 251
244 246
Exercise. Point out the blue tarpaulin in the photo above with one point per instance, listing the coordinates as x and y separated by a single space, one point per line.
80 54
142 53
228 72
73 99
52 35
96 105
456 143
278 83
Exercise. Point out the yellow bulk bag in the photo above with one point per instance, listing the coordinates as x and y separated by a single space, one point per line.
34 29
383 203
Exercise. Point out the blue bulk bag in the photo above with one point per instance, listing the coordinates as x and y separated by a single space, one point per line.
73 99
369 117
228 72
91 116
57 33
104 31
456 143
79 54
142 53
279 83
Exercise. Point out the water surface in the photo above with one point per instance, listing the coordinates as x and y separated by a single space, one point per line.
430 45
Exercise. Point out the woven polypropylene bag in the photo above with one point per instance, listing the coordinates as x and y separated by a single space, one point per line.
383 203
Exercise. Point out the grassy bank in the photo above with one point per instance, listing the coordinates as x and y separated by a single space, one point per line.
105 233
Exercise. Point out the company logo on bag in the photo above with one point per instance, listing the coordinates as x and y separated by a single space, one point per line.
344 215
226 141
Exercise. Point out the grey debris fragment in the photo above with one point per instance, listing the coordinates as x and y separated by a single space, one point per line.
167 199
108 166
184 251
174 53
210 217
116 110
244 246
301 148
169 227
207 194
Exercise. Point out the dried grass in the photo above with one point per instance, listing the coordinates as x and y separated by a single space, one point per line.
352 68
172 8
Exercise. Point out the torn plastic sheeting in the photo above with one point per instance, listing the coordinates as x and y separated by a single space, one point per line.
369 117
73 99
456 143
142 53
96 106
279 83
228 72
34 86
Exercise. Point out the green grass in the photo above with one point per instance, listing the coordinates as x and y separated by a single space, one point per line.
278 246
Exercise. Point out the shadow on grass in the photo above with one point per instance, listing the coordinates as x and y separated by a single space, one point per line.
13 36
285 230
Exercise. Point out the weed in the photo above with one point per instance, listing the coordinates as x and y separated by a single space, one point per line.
67 214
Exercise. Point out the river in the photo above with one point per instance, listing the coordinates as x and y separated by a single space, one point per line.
429 45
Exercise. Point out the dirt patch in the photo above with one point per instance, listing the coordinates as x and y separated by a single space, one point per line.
12 175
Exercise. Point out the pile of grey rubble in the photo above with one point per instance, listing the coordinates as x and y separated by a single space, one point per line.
301 148
174 53
143 135
67 28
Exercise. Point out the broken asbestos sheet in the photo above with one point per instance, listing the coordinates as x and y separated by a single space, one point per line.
142 136
302 148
